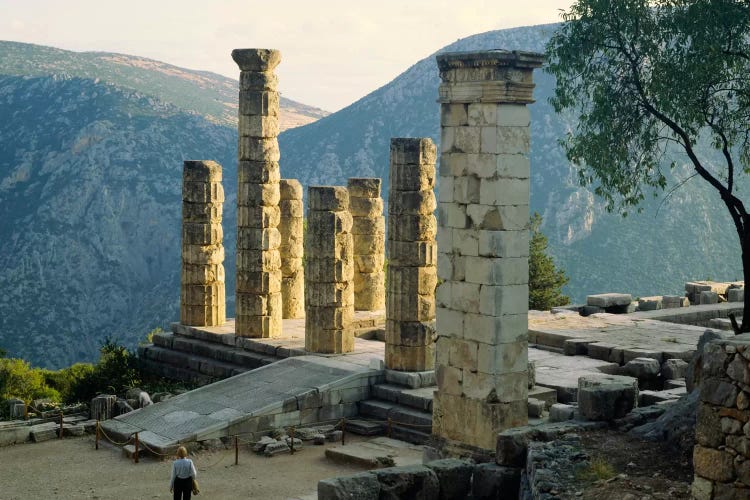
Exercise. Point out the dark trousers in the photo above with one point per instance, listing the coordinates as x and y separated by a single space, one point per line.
183 488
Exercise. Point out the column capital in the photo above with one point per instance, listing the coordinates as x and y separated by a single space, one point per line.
256 59
493 76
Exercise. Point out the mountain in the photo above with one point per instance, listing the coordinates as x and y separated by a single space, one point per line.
687 235
210 95
91 151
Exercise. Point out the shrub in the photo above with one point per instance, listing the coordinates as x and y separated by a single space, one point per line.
19 380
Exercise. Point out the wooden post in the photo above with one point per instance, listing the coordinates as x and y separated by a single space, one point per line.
97 434
291 435
25 410
389 427
343 431
236 451
135 455
61 425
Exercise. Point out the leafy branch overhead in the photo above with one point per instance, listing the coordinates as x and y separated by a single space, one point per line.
647 78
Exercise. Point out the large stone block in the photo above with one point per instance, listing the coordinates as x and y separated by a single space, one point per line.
412 177
411 203
412 254
368 244
417 151
328 270
496 329
258 125
261 149
258 305
202 192
410 307
503 300
409 333
498 218
330 295
503 358
293 295
327 198
328 318
257 326
258 172
606 397
201 171
256 60
412 227
410 358
373 263
258 282
454 477
207 213
497 271
292 209
503 191
199 233
253 194
291 265
496 387
413 481
258 260
368 225
362 486
412 280
321 223
258 216
259 102
204 255
258 80
198 273
328 341
250 238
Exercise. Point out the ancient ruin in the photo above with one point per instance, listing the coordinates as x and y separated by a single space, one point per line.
368 230
291 228
202 301
329 271
483 244
412 253
258 288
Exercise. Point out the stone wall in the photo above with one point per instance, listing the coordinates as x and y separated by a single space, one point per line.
202 296
412 252
721 457
482 303
292 249
368 230
329 271
258 287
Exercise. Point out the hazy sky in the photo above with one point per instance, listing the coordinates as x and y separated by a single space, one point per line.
333 51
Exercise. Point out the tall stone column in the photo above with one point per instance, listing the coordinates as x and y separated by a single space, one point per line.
482 303
292 249
258 292
202 299
412 254
329 271
368 229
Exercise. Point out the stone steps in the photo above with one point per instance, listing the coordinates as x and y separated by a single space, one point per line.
407 423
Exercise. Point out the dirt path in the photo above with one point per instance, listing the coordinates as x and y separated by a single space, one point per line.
72 469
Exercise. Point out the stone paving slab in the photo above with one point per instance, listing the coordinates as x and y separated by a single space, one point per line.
378 452
208 411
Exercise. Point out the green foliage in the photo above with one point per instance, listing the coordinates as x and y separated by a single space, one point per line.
598 470
67 381
3 352
116 370
19 380
150 335
545 280
642 75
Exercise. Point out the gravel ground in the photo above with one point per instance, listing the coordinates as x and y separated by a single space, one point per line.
72 468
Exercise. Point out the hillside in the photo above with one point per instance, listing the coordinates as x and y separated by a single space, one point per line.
210 95
690 236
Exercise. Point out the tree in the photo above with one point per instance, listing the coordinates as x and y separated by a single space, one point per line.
647 75
545 280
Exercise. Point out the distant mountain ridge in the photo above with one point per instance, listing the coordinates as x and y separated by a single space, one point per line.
208 94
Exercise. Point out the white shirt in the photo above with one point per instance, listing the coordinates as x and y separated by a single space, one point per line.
182 468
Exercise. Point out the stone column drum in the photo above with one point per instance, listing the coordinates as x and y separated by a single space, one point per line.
412 254
721 456
292 249
329 271
483 244
202 299
258 293
368 230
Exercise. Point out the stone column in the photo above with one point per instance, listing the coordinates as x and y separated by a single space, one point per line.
368 229
202 300
412 254
483 242
721 457
292 249
258 293
329 271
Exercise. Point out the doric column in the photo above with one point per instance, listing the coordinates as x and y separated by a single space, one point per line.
329 271
202 300
482 303
412 257
368 230
292 249
258 293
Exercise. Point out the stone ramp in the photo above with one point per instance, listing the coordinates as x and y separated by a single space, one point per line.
300 390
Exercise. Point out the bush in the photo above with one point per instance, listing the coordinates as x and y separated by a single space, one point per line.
545 279
116 371
19 380
67 380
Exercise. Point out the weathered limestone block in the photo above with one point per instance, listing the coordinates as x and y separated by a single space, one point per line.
259 276
202 300
291 248
102 407
329 271
606 397
368 229
412 271
482 237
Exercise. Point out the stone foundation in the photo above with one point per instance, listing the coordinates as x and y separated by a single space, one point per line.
202 295
258 288
482 303
721 457
368 230
329 271
292 249
412 251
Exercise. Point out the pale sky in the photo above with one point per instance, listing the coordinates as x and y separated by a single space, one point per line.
333 51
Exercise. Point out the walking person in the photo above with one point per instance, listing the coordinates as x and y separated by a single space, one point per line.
183 474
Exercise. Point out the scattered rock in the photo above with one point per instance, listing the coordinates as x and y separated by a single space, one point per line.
606 397
363 486
276 448
673 369
261 444
642 368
